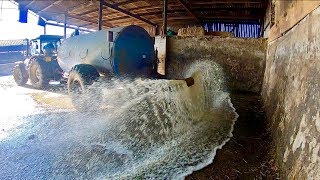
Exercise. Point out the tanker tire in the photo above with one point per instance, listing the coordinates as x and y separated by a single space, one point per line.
38 74
20 74
84 97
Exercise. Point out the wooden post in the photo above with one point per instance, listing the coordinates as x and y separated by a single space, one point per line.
101 3
164 16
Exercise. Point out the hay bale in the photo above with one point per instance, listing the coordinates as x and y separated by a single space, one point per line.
191 31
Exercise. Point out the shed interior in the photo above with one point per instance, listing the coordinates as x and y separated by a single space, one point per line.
283 81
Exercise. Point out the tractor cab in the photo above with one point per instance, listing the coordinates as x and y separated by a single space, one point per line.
45 45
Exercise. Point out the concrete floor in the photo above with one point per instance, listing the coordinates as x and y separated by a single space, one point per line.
25 134
42 137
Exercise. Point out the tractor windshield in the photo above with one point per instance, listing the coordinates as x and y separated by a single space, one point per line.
39 46
50 45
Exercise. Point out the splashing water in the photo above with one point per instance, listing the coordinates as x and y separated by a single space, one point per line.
154 129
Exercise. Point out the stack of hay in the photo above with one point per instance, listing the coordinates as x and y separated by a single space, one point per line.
199 31
191 31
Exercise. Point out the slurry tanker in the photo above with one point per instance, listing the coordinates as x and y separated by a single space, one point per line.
116 52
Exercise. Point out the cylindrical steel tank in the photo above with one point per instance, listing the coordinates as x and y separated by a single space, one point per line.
121 51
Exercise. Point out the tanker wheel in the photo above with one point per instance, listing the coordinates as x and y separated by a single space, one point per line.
38 74
84 97
20 74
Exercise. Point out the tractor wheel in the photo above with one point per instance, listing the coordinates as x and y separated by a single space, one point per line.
20 74
83 96
38 74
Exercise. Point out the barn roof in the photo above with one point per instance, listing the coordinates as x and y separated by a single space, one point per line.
84 13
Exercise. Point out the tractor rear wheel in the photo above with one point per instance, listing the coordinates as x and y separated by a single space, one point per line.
20 74
84 97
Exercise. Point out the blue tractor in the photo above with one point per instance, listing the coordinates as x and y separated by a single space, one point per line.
41 65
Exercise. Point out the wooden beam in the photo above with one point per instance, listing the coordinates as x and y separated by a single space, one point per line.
29 4
86 24
226 2
139 14
88 12
116 8
153 13
126 2
86 3
181 12
68 26
51 5
119 18
151 7
187 8
87 20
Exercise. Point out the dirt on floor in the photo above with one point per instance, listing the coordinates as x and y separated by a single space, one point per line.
249 153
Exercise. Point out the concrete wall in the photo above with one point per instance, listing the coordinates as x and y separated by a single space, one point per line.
243 59
291 88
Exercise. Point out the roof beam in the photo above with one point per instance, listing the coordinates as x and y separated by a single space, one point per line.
126 2
51 5
29 4
114 7
151 7
68 26
187 8
84 25
87 20
86 3
226 2
88 12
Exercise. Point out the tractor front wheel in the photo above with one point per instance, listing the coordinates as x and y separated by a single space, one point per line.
20 74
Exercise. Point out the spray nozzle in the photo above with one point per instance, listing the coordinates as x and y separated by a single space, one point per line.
189 81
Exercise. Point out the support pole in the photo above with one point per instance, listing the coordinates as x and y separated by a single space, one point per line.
28 48
101 3
44 29
65 27
164 16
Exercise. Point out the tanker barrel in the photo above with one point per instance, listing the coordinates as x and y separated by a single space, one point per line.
118 51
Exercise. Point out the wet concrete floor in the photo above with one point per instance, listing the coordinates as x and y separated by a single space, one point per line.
248 155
